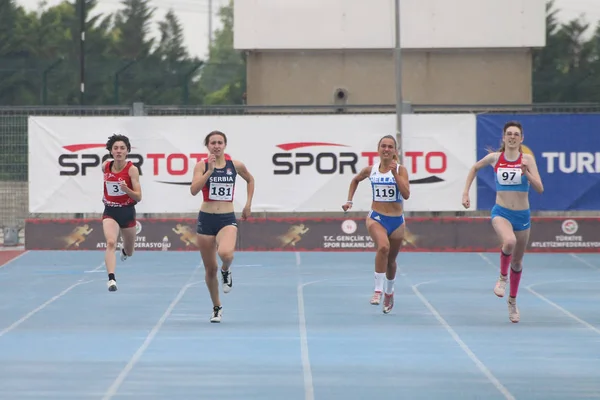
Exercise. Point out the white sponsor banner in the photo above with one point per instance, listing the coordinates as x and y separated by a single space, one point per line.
300 163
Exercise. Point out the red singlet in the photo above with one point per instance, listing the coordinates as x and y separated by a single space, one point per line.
113 195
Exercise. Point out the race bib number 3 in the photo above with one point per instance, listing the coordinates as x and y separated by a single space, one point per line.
509 176
384 193
114 189
221 192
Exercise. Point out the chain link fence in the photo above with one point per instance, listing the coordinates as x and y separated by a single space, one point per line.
14 195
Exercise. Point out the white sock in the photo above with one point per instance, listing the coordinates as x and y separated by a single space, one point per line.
379 277
389 286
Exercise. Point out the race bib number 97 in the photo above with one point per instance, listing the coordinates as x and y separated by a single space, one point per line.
509 176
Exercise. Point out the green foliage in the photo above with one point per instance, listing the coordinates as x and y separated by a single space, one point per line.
40 58
567 69
224 77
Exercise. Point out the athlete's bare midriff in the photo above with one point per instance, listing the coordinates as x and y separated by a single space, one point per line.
513 200
217 207
389 209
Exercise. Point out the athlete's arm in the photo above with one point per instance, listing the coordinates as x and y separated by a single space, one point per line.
247 176
484 162
401 178
532 173
199 179
361 176
135 192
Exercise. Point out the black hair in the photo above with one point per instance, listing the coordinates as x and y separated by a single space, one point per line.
117 138
207 138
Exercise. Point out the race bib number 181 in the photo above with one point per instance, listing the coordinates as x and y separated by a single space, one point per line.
221 192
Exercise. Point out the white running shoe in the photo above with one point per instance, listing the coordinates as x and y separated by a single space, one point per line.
216 314
123 255
388 302
513 311
112 285
227 281
500 287
376 299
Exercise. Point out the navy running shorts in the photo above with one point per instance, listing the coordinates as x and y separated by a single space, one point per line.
210 224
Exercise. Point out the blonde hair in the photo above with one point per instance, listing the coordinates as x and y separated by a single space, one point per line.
388 137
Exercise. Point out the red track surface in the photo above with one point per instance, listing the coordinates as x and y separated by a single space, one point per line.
6 256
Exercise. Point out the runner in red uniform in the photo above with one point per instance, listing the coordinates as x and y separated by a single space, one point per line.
122 191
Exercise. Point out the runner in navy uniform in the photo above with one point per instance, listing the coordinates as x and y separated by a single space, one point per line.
217 224
122 191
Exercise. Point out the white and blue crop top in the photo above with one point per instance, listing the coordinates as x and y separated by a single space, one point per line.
384 186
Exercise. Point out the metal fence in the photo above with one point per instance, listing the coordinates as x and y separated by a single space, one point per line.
14 149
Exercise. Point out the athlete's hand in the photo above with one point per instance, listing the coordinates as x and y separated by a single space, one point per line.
394 164
246 212
347 206
123 186
212 160
466 202
524 165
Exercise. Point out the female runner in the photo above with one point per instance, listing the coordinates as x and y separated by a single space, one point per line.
122 191
217 225
514 172
385 221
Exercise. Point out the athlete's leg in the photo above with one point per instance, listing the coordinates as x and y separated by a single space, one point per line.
208 252
507 237
395 239
128 231
129 235
226 240
516 268
379 235
111 233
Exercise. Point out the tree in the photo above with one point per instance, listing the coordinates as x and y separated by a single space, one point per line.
180 68
224 76
17 53
566 69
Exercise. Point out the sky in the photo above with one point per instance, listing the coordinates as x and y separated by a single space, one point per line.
194 15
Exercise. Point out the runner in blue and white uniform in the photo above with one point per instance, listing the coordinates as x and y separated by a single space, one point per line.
385 221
